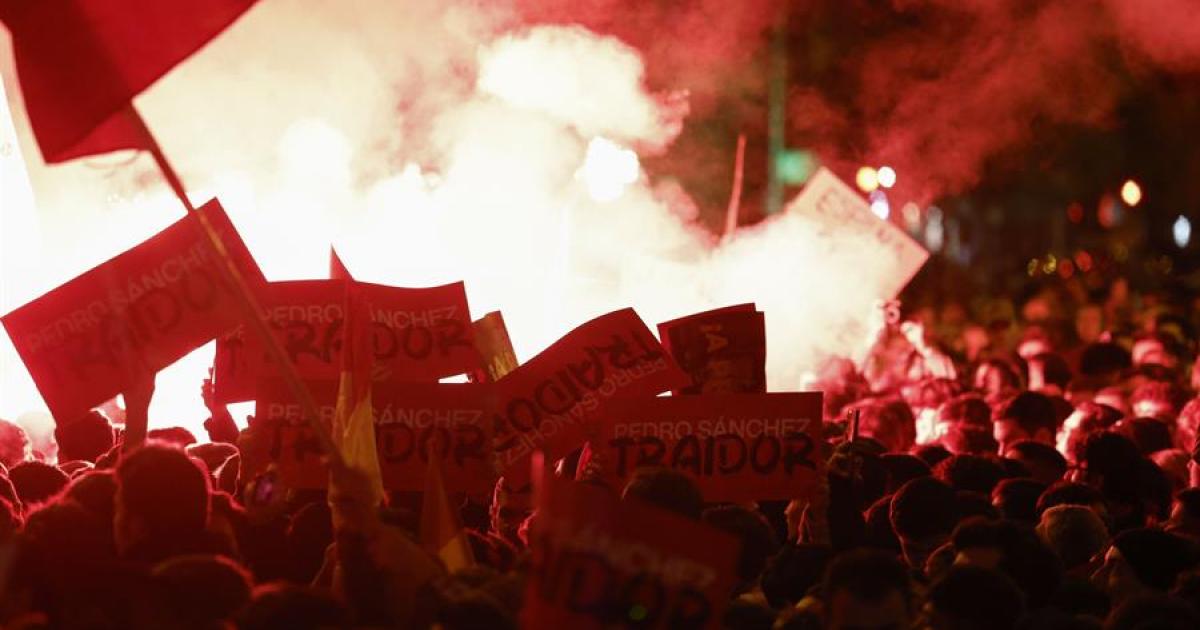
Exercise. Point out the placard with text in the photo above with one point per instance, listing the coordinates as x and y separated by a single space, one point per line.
738 447
551 402
599 562
723 350
418 335
119 323
413 422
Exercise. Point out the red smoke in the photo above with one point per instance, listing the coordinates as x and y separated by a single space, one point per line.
935 89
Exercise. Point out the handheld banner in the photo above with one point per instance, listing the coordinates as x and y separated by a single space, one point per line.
724 350
738 447
548 403
599 562
418 335
413 422
131 316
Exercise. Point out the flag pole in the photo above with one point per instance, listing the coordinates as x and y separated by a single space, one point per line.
252 312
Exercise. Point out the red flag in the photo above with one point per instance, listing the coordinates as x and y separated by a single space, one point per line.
81 62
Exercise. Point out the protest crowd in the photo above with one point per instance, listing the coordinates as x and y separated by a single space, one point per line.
986 465
997 463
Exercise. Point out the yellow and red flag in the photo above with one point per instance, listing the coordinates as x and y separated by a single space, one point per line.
441 531
353 428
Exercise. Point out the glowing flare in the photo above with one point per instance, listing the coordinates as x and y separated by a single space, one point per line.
1131 193
867 179
608 169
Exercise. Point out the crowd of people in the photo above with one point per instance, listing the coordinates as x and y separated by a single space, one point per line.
1006 466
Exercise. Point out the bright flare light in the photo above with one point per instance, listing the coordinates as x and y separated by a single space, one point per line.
608 168
886 176
1131 193
867 179
1182 231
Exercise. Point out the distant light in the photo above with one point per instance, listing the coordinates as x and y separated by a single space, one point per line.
1066 268
1182 231
880 205
608 169
867 179
1075 212
1131 193
886 176
912 217
1109 213
795 166
935 232
1083 261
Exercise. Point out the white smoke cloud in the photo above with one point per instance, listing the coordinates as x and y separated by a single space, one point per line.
431 142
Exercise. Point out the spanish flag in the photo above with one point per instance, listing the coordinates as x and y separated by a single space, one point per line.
353 428
441 532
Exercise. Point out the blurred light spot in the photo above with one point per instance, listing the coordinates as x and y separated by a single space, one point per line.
886 176
911 213
1108 213
1066 268
795 166
1032 267
1131 193
935 233
608 168
1182 231
867 179
1050 265
879 205
1083 260
1075 212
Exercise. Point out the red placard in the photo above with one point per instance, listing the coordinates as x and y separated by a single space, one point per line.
599 562
724 350
418 335
738 447
412 421
548 403
87 340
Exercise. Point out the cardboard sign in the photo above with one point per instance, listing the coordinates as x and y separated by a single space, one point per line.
418 335
738 447
723 350
599 562
87 340
839 216
547 403
837 207
413 421
496 354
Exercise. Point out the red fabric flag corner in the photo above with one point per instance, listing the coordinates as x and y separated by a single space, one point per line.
81 62
337 268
